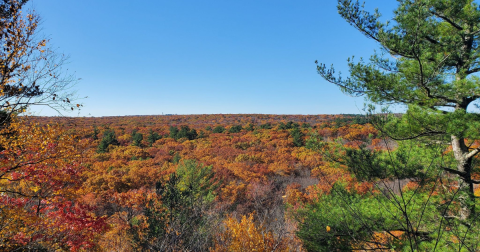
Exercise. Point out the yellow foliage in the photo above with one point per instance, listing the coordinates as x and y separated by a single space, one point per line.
117 238
129 152
244 236
125 137
246 157
477 192
280 168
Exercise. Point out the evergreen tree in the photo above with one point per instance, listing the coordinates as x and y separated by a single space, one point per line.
109 138
306 125
192 134
219 129
266 126
429 61
173 132
186 196
235 129
184 132
297 136
153 137
137 138
315 142
291 125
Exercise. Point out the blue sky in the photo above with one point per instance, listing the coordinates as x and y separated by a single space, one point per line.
205 57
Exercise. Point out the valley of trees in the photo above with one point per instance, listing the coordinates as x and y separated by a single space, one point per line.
381 181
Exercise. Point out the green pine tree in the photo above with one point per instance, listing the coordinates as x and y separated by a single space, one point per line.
297 136
235 129
137 138
219 129
152 137
428 61
186 197
109 138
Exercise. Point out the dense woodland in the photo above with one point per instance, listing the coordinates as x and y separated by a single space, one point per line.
209 182
381 181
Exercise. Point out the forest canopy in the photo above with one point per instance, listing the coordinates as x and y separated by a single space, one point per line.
381 181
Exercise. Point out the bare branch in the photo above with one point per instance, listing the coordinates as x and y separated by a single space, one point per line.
472 153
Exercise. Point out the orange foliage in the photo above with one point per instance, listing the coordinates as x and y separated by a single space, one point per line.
255 168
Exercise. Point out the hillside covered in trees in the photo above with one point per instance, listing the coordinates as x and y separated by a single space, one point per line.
381 181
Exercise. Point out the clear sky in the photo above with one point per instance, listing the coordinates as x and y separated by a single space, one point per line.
205 57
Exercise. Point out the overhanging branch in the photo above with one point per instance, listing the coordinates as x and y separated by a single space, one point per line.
444 18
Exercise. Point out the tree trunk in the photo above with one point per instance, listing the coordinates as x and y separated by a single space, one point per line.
465 183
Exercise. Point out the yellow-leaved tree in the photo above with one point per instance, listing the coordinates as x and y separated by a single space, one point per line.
245 235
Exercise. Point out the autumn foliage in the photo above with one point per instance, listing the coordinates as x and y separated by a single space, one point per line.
246 182
159 183
41 168
245 235
140 189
